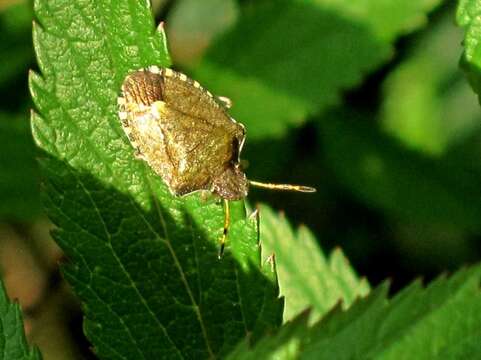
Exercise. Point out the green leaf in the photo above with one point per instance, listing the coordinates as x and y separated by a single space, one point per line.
439 322
467 16
13 345
286 344
431 323
388 19
307 278
19 178
288 59
428 105
384 174
143 262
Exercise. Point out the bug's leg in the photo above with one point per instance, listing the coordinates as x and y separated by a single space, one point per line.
204 196
271 259
226 101
138 154
226 227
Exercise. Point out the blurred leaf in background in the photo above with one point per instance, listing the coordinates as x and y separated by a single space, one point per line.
428 104
279 72
192 25
403 183
19 180
410 189
424 183
16 45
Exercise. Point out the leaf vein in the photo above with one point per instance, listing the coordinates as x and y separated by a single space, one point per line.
124 270
177 264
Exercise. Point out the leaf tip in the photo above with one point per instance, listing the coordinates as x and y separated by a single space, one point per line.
160 30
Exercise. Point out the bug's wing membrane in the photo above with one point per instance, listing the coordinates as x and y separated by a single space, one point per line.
179 128
147 137
199 132
187 96
199 150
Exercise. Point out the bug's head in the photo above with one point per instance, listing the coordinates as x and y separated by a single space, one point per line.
232 184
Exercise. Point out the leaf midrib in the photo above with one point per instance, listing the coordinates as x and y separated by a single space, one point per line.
167 240
124 270
176 260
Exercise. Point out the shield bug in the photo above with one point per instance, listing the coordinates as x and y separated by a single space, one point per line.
187 137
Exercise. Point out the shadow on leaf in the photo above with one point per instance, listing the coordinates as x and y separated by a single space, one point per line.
150 283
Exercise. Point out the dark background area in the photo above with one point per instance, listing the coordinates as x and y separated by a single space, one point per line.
401 206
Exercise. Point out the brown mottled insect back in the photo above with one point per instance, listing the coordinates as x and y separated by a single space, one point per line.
186 136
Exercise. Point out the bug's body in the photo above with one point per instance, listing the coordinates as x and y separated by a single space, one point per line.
183 133
186 136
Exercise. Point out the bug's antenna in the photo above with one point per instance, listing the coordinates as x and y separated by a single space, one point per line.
283 187
226 227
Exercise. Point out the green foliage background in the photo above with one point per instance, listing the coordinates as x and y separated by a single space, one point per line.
363 100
